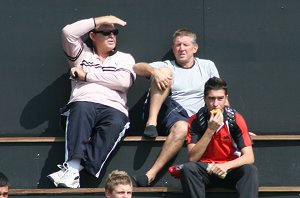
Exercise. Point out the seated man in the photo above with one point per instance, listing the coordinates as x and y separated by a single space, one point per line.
3 186
97 112
118 184
176 93
219 148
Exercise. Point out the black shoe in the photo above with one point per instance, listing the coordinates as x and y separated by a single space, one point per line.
141 180
150 131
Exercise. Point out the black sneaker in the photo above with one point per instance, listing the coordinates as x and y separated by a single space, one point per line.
141 180
150 131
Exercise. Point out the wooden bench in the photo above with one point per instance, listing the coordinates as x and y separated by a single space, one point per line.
140 138
262 189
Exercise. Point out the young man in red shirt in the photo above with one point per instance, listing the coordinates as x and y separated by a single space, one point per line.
219 147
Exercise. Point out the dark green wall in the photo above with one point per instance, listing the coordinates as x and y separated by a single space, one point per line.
253 43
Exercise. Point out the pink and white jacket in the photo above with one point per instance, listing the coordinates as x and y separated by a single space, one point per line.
108 81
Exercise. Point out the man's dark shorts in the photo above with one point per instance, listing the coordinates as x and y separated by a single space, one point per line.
170 112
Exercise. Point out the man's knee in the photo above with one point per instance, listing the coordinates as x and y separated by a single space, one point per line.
250 171
179 130
167 70
117 123
192 169
189 167
249 168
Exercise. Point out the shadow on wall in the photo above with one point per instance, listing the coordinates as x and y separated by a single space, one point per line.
168 56
137 123
42 108
45 107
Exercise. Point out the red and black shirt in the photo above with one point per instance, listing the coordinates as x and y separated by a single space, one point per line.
227 142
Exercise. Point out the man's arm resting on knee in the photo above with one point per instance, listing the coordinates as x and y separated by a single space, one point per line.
162 76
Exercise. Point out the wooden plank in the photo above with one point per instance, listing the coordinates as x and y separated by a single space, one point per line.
55 191
279 189
255 138
140 189
31 139
276 137
140 138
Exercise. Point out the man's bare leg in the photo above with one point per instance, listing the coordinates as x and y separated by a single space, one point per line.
171 147
157 98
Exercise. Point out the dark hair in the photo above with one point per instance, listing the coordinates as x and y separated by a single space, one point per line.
215 83
3 180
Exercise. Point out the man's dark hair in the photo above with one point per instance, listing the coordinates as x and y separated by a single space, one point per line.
3 180
215 83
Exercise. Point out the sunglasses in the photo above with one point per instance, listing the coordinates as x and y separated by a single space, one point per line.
4 194
106 32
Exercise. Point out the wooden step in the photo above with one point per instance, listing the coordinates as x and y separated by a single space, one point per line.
140 138
262 189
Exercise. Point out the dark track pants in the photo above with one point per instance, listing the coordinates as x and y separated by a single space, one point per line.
92 132
195 179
